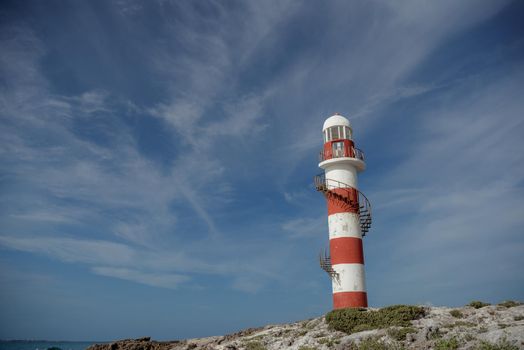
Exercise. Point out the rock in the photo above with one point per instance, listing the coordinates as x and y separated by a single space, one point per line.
491 324
143 343
410 337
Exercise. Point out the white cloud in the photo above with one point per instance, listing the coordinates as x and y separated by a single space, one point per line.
116 189
74 250
306 227
458 194
164 280
377 48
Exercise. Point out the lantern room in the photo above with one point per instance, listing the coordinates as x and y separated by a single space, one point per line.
337 127
338 140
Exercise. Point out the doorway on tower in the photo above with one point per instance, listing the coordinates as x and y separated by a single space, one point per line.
338 149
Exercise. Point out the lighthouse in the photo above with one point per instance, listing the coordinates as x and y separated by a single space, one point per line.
349 213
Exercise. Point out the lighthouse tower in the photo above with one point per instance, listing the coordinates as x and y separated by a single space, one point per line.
349 213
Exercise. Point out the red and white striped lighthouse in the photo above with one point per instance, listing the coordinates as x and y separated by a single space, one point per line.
349 213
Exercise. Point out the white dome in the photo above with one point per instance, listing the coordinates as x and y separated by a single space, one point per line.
336 120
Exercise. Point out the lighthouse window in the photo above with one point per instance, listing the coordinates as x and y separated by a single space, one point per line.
338 149
347 132
335 132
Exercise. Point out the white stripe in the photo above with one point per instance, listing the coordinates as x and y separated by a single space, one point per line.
344 225
343 172
351 278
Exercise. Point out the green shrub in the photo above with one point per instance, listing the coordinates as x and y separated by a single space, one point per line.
330 342
510 303
478 304
447 344
456 313
501 345
308 325
400 333
306 348
373 344
518 318
463 324
468 337
255 345
437 334
356 320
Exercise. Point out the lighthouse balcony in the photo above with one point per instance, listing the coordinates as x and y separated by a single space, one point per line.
338 152
342 152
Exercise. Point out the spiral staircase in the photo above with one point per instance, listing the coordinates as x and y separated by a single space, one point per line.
345 194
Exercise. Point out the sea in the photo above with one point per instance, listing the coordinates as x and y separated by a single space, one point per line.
44 345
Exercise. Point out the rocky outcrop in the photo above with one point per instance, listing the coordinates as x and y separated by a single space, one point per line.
136 344
488 327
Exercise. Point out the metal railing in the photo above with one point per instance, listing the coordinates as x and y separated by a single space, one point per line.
325 264
351 198
357 153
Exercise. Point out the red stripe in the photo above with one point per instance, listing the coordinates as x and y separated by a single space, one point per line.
344 300
335 205
346 250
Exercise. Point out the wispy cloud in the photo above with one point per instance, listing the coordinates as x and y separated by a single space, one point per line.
164 280
458 192
82 189
306 227
74 250
73 168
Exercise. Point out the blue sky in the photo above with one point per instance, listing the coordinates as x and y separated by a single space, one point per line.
157 159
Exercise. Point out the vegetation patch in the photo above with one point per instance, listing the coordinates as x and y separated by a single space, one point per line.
306 348
456 313
437 334
255 345
483 329
373 344
301 333
510 303
329 342
309 325
400 333
501 345
255 338
357 320
463 324
468 337
447 344
478 304
518 318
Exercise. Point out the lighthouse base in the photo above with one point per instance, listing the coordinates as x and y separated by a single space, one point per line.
344 300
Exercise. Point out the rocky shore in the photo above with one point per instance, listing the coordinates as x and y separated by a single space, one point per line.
491 327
